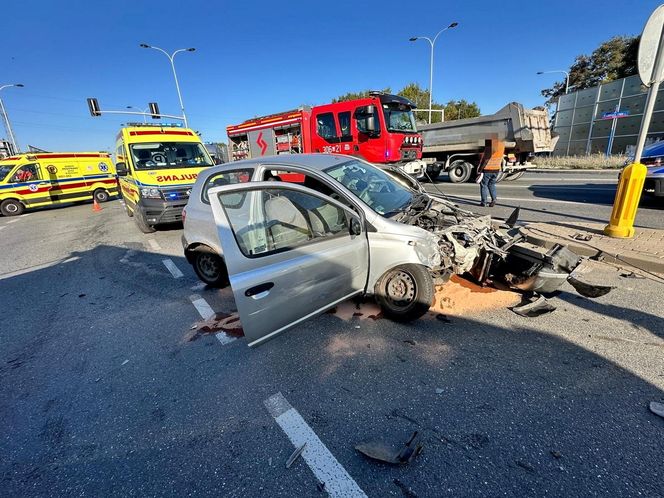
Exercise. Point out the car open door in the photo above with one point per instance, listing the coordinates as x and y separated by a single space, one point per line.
291 253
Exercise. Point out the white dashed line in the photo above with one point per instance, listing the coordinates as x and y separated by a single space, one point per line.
175 271
206 311
199 286
154 244
12 221
322 463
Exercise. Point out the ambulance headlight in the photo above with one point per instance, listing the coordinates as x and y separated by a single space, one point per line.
151 193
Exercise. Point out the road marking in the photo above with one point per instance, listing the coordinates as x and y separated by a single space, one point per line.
3 227
199 286
175 271
206 311
521 199
154 244
12 221
322 463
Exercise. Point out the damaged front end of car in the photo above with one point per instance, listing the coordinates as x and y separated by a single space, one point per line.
490 251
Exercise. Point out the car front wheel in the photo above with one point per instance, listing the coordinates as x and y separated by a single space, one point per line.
405 293
210 268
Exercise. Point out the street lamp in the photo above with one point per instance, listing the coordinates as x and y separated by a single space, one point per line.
6 118
171 58
144 111
558 71
432 43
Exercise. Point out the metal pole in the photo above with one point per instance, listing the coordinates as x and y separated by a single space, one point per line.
8 125
177 87
650 101
431 81
566 82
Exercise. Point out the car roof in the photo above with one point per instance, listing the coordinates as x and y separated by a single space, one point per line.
311 161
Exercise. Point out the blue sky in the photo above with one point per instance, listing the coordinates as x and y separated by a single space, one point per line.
259 57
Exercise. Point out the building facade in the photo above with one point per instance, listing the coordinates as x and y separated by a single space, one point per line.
584 122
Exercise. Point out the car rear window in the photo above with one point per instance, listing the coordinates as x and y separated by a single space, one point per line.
225 178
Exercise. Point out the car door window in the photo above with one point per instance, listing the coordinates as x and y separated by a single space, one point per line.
266 221
225 178
26 173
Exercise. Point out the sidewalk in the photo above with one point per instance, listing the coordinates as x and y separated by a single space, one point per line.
644 251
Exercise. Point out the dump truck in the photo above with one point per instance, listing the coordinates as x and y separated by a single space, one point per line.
457 146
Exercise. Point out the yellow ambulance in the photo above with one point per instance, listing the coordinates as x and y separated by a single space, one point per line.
45 179
157 164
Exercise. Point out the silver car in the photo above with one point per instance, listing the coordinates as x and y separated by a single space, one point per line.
296 235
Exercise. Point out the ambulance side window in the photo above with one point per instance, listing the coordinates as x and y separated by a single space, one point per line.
26 173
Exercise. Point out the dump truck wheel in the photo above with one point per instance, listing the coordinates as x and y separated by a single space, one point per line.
210 267
460 171
405 293
12 207
514 176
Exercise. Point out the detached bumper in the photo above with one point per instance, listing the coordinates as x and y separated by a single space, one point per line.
157 211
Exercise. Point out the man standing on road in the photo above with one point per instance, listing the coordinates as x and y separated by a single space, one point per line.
492 159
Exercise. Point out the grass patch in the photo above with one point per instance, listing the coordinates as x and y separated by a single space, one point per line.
594 161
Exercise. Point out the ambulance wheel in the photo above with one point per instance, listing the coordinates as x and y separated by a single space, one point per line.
11 207
405 293
460 171
210 268
101 195
143 225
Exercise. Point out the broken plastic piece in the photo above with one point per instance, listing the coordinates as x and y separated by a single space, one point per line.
295 455
657 408
379 450
589 290
534 308
514 217
584 237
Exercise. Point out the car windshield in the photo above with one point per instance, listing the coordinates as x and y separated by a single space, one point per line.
4 170
375 187
399 117
165 155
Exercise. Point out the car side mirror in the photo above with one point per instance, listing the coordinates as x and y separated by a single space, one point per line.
355 227
121 169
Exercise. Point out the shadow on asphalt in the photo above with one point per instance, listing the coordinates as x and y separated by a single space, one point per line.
501 409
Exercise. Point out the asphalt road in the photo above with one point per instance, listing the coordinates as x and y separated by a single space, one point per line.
585 196
105 391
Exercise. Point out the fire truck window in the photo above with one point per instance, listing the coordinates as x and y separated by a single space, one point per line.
326 127
344 123
225 178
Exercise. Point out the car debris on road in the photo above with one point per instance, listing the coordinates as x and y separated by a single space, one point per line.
385 452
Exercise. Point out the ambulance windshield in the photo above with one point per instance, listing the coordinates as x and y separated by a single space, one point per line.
5 169
167 155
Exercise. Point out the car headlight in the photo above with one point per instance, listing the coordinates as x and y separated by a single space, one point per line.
151 193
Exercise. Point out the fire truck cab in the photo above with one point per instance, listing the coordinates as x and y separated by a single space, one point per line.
380 129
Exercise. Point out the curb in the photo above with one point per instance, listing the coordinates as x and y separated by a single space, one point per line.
639 261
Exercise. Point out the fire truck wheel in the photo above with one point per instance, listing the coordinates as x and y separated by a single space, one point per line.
210 268
405 293
460 171
143 225
101 195
11 207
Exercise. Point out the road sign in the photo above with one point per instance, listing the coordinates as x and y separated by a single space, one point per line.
649 47
615 114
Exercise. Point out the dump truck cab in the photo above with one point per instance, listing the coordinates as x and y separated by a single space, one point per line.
157 165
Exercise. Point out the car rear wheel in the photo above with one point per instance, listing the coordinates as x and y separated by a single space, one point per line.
11 207
101 195
460 171
210 268
405 293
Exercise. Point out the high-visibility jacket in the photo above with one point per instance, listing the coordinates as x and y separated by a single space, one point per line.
495 156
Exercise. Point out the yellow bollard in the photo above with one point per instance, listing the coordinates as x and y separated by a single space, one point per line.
627 199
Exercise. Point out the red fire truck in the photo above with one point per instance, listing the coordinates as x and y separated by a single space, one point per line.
380 128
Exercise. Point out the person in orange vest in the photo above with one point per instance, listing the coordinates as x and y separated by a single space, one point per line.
492 160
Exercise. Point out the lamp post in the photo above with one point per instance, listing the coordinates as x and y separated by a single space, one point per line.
6 118
559 71
144 111
432 43
171 58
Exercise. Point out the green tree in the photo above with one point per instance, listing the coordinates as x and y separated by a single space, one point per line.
613 59
454 109
356 95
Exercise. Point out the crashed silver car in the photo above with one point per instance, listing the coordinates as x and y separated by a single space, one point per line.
296 235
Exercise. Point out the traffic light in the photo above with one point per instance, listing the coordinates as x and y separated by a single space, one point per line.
154 110
93 105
